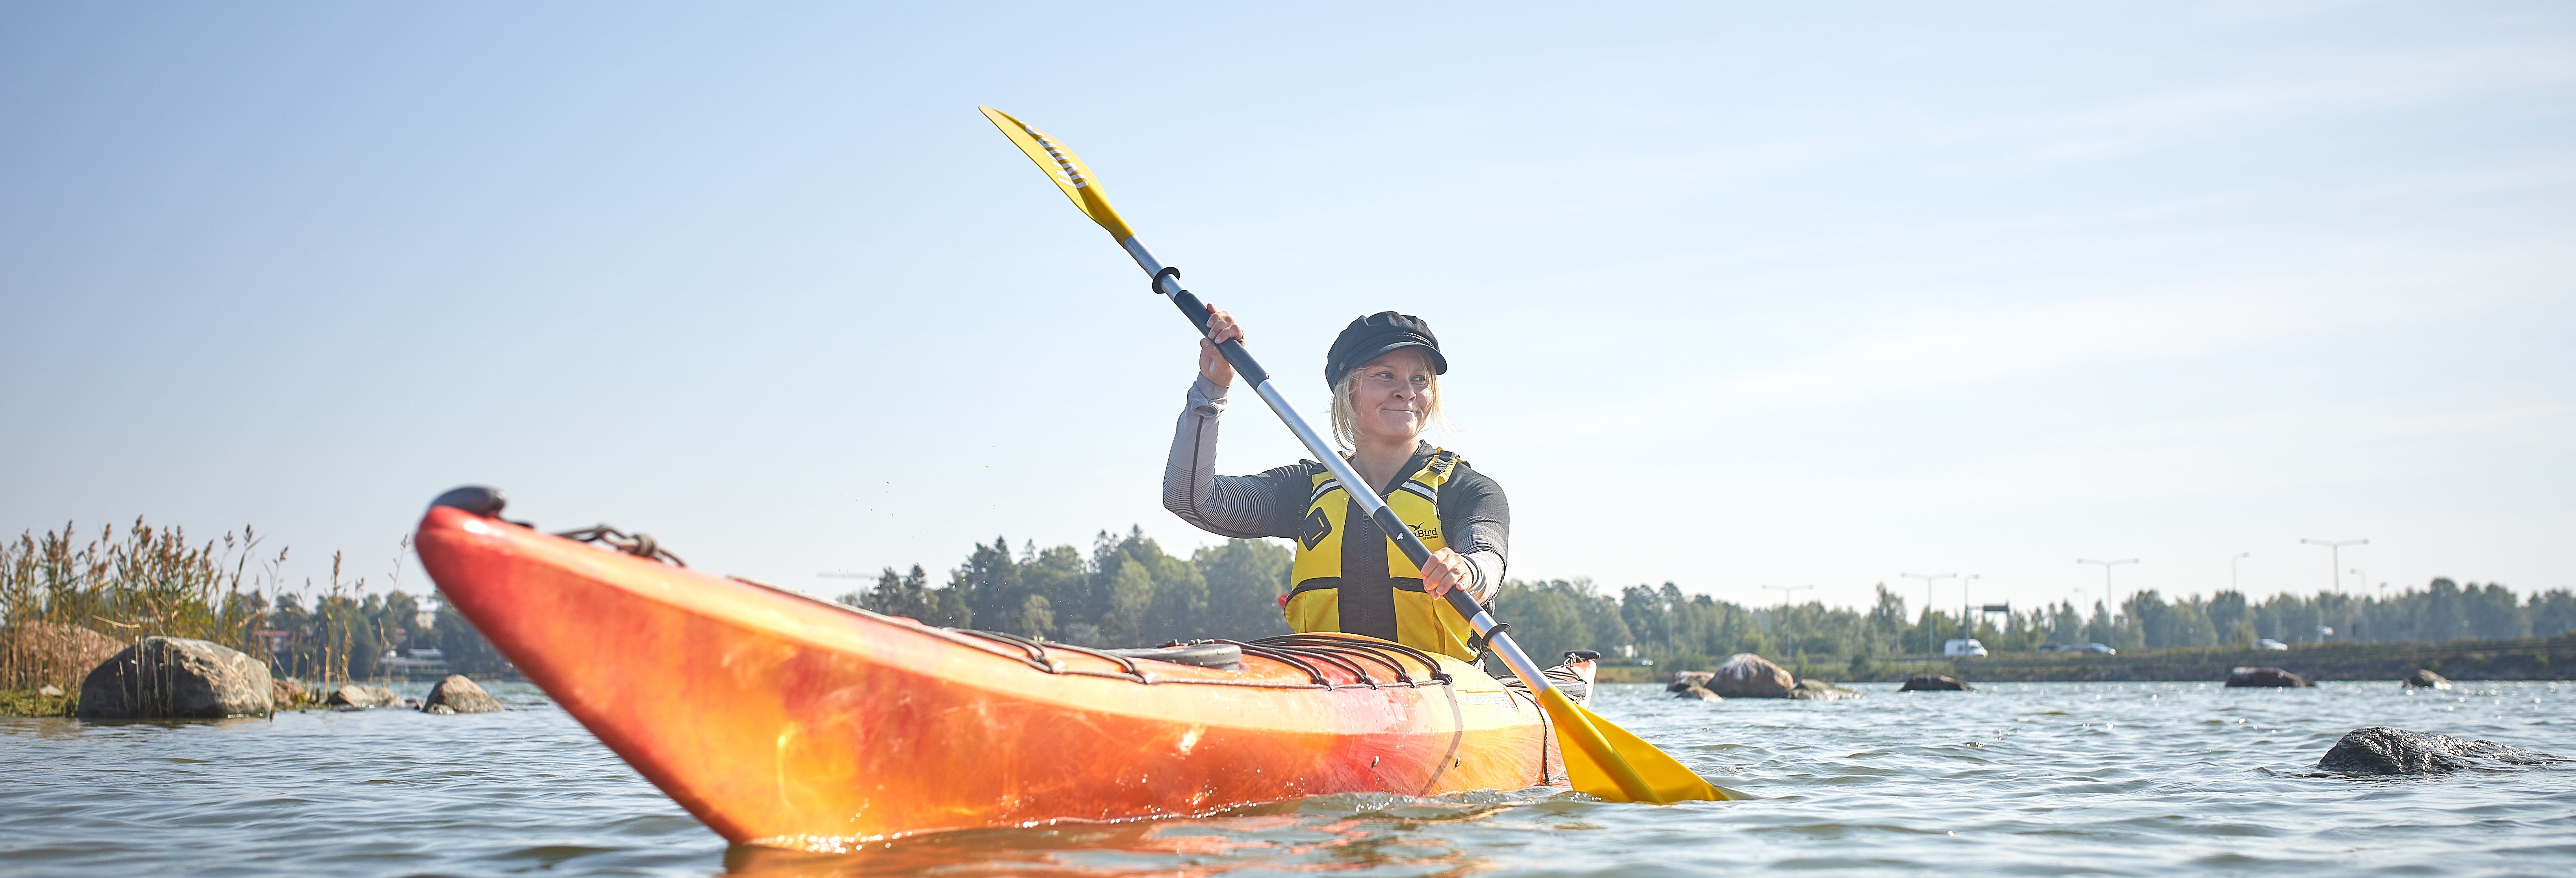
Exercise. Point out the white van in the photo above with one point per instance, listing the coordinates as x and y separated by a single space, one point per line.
1963 649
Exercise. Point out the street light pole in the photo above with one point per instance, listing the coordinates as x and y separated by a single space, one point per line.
2109 601
2231 571
1967 629
1928 634
2380 594
2334 562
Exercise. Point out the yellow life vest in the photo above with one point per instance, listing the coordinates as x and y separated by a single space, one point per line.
1365 585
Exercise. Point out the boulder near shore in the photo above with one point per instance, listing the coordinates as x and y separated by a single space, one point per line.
359 695
456 694
2426 679
2383 750
1745 675
1693 684
287 692
2266 677
174 677
1818 691
1934 683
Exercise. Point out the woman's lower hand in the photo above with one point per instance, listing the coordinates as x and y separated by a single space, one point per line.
1447 570
1212 365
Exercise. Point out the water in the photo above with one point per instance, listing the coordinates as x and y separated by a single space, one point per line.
2048 778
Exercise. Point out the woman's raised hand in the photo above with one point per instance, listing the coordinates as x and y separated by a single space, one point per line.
1212 365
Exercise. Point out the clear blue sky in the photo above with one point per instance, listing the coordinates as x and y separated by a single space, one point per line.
1734 294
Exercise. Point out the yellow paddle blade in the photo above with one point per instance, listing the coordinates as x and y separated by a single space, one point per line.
1065 168
1604 760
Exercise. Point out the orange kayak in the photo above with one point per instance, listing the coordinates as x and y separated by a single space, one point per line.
784 720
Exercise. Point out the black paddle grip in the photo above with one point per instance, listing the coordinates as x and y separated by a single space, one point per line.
1198 313
1414 550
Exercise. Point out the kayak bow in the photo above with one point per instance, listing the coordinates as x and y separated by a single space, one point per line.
784 720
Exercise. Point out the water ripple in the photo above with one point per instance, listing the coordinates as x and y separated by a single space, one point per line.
2060 778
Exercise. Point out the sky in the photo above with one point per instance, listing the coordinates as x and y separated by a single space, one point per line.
1734 295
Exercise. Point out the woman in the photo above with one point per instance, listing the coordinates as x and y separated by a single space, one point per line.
1349 577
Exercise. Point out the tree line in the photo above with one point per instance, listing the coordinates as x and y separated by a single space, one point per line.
345 634
1128 592
1688 632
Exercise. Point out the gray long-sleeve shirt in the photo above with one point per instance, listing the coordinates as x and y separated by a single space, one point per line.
1475 520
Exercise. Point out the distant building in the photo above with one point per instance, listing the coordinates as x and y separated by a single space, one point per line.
420 661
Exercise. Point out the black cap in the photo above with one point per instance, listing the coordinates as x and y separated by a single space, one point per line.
1371 337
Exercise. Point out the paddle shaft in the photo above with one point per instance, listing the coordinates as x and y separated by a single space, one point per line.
1169 284
1576 728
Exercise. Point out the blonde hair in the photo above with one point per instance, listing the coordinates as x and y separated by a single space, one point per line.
1346 414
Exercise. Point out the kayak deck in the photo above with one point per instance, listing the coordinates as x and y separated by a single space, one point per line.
781 719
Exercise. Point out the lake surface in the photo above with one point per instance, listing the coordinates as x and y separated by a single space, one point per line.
2038 778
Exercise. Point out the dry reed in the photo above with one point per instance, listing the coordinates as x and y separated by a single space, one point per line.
64 599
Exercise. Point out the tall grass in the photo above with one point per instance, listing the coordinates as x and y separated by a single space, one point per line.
68 599
146 581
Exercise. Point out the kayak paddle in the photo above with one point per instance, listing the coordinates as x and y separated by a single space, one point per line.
1600 758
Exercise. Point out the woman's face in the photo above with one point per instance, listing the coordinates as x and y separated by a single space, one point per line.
1392 396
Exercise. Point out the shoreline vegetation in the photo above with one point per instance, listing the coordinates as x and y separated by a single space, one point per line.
2529 658
1129 592
66 596
69 599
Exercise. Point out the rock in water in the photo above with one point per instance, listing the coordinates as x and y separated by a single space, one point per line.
1687 679
1745 675
176 677
2426 679
459 695
1815 691
362 696
2382 750
1934 683
2265 677
1693 691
